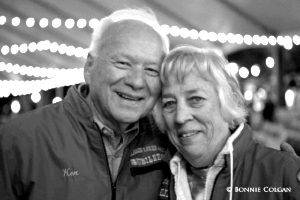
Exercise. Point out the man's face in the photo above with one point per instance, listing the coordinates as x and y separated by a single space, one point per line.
193 118
124 76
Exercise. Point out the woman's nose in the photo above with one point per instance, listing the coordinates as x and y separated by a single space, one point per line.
183 114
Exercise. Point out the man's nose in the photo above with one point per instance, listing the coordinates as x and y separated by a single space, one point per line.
135 79
183 113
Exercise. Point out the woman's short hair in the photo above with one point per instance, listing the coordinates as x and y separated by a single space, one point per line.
210 64
145 16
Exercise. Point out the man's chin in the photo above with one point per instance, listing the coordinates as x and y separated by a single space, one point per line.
129 115
128 118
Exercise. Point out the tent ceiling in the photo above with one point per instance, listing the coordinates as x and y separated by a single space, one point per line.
261 17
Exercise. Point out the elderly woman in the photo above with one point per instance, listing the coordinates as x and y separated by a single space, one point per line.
204 115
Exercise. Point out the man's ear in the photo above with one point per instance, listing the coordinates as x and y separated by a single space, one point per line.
89 63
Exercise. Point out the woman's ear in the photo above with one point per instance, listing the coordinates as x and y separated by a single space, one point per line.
88 66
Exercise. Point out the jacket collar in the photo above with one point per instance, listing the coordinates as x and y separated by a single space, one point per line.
243 142
76 101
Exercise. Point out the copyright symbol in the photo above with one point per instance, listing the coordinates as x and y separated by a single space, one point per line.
228 189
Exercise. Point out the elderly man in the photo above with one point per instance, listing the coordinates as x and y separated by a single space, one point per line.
98 143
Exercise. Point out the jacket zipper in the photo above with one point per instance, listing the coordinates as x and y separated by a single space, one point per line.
112 184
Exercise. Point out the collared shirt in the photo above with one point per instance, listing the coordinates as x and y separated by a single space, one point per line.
114 143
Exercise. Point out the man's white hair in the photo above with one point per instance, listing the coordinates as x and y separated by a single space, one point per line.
145 16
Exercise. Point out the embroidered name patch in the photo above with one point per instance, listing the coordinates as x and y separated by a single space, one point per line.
67 172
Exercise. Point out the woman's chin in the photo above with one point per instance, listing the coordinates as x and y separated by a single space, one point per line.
197 161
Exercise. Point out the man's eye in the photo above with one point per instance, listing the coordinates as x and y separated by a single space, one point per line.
152 72
121 64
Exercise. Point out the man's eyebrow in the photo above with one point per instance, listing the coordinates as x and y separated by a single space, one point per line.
133 58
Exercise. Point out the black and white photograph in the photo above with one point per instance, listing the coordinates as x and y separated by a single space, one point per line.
149 99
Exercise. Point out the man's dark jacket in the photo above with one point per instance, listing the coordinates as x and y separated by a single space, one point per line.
57 153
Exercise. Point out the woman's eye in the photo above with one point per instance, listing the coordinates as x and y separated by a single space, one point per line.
196 99
152 72
168 105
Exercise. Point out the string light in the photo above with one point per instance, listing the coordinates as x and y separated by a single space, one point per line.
44 22
15 21
248 39
93 23
56 77
230 38
15 106
23 48
2 20
285 41
30 22
232 68
272 40
52 74
194 34
56 99
174 31
32 47
296 39
248 94
17 88
14 49
203 35
243 72
289 97
45 45
222 37
166 29
69 23
262 93
5 50
255 70
56 23
35 97
39 72
81 23
270 62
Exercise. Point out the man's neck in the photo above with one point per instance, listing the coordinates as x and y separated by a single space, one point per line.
117 128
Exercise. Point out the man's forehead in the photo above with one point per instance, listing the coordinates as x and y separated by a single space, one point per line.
128 27
128 34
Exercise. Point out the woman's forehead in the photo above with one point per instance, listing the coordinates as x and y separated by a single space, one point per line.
192 82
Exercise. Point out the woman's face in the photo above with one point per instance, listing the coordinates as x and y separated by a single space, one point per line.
191 111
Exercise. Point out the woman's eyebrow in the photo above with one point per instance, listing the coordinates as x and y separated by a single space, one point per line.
167 95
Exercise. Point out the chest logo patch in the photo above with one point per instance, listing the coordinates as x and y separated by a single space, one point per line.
145 156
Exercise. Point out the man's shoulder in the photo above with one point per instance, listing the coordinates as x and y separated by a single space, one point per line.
275 157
